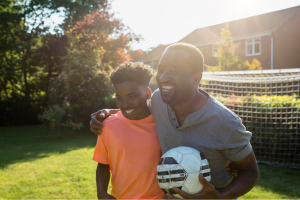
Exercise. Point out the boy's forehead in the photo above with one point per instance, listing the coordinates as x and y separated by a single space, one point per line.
128 87
174 57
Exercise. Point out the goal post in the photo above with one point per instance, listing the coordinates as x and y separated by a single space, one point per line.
268 102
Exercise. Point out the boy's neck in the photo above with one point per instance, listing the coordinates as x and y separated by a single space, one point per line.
146 113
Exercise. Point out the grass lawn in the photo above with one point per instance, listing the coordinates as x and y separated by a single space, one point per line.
35 163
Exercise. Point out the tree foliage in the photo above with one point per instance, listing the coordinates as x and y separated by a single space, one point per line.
33 52
100 32
227 59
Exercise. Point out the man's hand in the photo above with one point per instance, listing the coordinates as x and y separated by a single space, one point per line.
208 192
231 168
98 117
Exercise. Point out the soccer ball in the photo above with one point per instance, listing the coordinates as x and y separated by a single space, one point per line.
180 167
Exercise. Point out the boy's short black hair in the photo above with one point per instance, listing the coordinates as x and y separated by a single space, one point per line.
132 71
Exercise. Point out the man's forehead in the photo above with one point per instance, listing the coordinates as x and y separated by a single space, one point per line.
174 57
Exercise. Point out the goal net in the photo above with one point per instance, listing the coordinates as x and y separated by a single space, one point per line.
268 102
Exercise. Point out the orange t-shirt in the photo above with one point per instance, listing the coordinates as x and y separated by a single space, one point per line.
131 149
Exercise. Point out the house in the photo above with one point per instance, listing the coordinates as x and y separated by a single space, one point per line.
272 38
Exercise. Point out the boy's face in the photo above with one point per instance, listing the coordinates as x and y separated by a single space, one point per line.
131 99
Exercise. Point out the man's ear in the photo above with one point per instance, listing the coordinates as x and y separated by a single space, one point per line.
149 93
197 77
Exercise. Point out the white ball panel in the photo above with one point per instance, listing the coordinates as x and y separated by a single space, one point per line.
190 163
161 168
193 184
197 154
204 162
184 150
174 154
170 166
205 171
163 185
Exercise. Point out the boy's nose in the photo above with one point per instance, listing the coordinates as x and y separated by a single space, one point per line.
125 104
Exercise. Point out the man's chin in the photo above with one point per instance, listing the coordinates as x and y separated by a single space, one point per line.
167 100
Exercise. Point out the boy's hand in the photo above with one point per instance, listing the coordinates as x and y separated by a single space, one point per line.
97 118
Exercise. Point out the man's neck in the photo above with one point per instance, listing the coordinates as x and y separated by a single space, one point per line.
196 102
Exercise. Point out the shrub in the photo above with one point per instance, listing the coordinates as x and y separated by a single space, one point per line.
60 116
274 123
17 110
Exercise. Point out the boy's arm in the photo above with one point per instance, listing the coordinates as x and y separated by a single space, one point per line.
102 179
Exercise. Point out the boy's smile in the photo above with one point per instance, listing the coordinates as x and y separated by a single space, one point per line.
131 99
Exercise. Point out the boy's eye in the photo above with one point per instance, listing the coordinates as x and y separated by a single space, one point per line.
118 99
132 97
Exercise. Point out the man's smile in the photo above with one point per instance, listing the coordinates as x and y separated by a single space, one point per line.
167 89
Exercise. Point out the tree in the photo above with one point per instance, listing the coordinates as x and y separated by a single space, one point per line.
100 32
97 44
22 27
227 60
31 55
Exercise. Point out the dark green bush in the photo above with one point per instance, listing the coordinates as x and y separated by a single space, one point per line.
18 111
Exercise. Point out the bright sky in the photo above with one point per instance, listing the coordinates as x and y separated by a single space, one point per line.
168 21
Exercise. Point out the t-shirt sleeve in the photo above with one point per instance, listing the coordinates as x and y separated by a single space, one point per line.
101 153
238 144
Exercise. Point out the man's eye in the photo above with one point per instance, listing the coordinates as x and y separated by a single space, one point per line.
118 99
132 97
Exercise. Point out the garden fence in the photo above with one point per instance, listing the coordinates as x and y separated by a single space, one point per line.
268 103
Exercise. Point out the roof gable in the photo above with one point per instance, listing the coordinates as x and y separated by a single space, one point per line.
247 27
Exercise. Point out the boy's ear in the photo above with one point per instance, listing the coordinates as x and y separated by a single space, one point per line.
149 93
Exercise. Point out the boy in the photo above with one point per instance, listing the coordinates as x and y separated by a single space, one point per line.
129 145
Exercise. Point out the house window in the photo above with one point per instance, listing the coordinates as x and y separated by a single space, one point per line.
215 49
253 47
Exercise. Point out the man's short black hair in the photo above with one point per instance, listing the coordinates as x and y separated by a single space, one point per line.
133 72
195 55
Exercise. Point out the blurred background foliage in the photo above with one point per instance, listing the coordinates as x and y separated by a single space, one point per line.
42 65
227 59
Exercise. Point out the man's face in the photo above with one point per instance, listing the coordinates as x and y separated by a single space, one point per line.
174 77
131 99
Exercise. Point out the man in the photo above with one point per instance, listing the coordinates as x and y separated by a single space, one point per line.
187 116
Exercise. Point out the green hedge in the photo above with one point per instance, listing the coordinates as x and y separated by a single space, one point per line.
274 123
